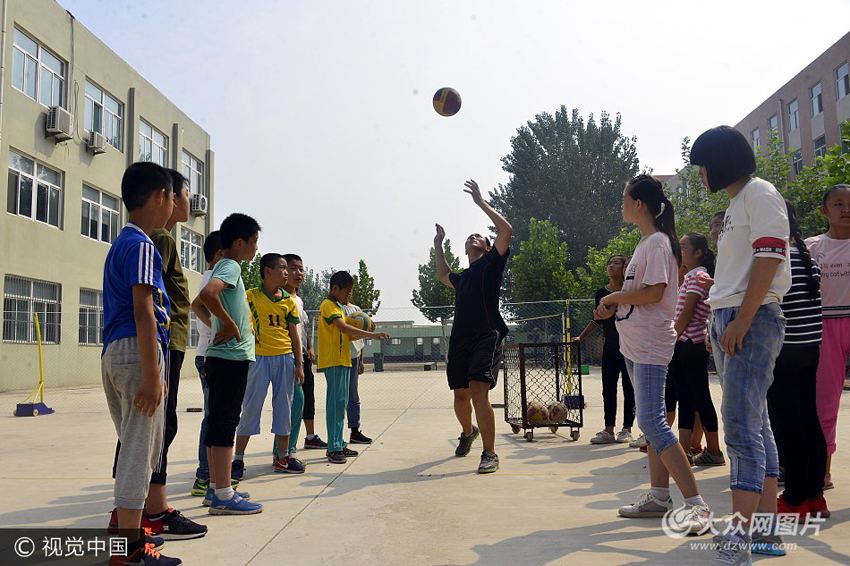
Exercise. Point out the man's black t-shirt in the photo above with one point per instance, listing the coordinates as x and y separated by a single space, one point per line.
477 300
609 327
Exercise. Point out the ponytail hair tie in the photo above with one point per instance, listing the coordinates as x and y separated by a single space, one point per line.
663 206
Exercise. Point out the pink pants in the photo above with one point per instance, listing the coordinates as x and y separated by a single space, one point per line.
831 371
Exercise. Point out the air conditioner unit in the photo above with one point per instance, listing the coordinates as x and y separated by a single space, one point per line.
97 143
59 124
199 205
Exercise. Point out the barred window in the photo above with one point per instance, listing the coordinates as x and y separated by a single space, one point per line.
24 297
91 317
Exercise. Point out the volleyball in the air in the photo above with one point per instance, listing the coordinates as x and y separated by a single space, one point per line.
359 320
537 413
447 101
557 413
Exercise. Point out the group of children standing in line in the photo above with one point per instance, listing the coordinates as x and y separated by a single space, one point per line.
776 318
249 340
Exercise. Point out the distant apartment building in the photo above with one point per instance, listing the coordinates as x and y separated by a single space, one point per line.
806 112
73 116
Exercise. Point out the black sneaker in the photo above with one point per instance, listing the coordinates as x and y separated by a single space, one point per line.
349 453
237 470
337 458
174 526
465 444
315 443
358 437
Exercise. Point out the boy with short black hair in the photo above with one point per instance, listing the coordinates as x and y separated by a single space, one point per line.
335 360
275 315
212 254
228 357
135 339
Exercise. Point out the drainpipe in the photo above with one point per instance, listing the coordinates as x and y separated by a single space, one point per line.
2 65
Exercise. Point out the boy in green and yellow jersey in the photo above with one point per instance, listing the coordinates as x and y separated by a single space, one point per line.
275 318
335 360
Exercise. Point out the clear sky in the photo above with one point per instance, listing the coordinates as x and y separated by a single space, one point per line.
320 112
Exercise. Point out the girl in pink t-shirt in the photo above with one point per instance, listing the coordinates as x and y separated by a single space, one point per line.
645 309
831 251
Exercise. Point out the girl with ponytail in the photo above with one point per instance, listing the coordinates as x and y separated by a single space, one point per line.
645 309
792 399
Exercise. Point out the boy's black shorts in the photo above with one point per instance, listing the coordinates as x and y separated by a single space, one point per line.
475 357
226 380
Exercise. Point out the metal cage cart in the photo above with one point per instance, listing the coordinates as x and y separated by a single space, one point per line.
543 375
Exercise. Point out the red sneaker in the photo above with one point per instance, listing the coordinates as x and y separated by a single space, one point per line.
113 523
786 508
696 451
817 506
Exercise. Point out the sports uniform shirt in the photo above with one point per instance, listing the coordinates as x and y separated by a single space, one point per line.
477 297
333 344
802 311
833 258
272 318
695 332
132 260
235 303
755 225
647 335
176 286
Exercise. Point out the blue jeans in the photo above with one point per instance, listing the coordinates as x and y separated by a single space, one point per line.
649 381
745 379
203 471
353 408
279 372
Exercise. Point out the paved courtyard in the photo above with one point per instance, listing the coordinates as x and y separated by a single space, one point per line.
405 500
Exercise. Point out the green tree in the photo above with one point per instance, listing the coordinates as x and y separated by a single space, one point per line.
694 204
251 274
539 270
433 299
594 275
568 171
365 295
312 291
807 189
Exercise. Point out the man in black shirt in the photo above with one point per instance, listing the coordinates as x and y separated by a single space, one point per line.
475 347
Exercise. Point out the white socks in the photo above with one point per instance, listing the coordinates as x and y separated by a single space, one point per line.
660 493
695 500
225 494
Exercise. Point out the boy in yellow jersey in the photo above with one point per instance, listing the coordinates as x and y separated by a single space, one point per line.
275 318
335 360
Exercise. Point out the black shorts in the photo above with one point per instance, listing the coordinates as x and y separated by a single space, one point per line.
476 357
226 380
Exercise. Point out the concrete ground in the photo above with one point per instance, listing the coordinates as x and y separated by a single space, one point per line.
405 499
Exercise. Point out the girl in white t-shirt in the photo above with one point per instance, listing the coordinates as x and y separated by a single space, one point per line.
645 309
831 251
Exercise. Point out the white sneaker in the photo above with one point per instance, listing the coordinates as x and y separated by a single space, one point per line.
638 442
734 550
647 506
603 437
697 520
624 436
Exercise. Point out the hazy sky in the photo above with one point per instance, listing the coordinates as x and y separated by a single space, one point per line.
320 112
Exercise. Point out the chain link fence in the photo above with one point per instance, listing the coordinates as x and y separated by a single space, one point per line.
71 348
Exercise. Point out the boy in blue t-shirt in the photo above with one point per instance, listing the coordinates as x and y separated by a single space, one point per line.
135 338
231 350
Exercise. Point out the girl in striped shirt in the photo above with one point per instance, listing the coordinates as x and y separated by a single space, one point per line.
792 399
689 366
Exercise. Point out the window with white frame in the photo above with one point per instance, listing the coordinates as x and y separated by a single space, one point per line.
820 146
104 114
420 341
435 340
793 115
194 335
395 341
756 139
194 171
842 81
22 298
153 144
191 250
36 72
91 317
101 215
773 124
34 190
797 162
816 100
